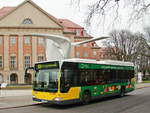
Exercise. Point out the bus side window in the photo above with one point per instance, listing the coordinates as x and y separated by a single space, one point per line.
98 77
67 79
102 76
114 75
84 78
132 74
75 79
106 75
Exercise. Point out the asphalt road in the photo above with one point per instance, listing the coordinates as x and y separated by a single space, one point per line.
135 102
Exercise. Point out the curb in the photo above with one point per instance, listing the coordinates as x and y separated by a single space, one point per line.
143 87
42 103
20 106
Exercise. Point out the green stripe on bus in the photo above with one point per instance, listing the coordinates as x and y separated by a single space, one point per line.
98 66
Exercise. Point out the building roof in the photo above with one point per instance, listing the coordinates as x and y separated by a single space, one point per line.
5 10
69 24
70 27
8 10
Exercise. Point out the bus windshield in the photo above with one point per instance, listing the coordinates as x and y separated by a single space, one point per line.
46 80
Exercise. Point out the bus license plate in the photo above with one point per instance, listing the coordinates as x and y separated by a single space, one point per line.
44 101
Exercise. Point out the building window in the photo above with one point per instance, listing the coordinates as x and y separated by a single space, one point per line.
77 46
13 63
27 40
1 62
13 78
27 21
1 78
84 45
41 41
27 61
12 40
85 54
77 54
40 58
94 53
85 33
1 40
78 32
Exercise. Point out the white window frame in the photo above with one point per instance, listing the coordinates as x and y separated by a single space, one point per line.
77 32
77 54
27 21
84 45
40 58
27 40
13 62
13 40
27 61
41 41
85 54
94 53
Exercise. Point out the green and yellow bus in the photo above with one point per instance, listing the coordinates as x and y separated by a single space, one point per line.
80 80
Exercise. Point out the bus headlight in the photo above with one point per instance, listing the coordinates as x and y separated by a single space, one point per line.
33 96
58 99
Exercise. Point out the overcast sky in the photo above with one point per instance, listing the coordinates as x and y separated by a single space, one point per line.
64 9
58 8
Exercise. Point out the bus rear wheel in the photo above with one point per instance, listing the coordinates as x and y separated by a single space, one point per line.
86 97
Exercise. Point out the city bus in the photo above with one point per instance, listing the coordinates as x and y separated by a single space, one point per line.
81 80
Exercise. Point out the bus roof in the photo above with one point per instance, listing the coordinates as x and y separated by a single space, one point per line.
106 62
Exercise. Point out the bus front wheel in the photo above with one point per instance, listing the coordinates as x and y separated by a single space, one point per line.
86 97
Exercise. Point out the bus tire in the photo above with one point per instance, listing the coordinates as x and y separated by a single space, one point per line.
122 92
86 97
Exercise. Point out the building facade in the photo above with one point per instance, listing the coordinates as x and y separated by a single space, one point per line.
19 50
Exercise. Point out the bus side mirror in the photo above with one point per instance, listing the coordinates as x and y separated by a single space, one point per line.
28 68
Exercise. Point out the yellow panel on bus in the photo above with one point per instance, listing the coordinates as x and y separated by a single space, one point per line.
73 93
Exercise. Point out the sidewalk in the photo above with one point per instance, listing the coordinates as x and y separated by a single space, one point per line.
142 85
17 98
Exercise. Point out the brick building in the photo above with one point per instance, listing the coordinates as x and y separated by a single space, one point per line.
106 54
18 50
88 50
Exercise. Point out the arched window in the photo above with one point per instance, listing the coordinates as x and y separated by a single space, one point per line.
13 78
27 21
1 78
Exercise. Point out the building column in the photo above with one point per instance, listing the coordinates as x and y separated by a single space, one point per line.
20 53
6 59
34 51
20 60
6 53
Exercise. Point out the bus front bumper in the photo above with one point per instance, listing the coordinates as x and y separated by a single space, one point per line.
57 101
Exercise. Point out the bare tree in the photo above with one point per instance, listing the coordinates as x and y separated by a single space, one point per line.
147 37
125 45
137 8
